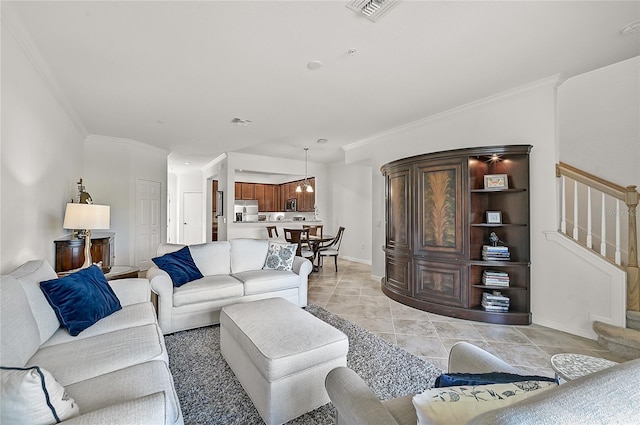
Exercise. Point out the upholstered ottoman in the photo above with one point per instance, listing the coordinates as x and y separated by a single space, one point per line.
281 355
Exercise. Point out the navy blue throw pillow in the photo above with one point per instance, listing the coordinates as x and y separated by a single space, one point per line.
81 298
459 379
179 265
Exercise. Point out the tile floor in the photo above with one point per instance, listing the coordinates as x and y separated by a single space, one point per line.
353 295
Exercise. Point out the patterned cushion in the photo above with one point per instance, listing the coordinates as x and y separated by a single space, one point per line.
280 256
434 406
33 396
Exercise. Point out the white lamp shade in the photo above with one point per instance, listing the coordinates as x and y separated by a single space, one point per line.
87 216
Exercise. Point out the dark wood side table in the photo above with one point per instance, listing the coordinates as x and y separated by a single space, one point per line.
70 251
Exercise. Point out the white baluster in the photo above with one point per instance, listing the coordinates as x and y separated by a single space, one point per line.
575 210
603 230
589 233
563 203
617 254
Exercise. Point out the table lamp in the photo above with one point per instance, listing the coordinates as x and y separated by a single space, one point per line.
87 217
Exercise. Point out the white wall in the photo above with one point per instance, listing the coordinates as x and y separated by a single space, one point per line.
599 122
41 160
192 181
349 206
112 166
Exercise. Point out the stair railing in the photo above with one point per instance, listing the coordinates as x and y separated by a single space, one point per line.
573 183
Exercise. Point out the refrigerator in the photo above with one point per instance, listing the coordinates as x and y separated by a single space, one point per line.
246 210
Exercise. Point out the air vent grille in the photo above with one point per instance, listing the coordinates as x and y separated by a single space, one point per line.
372 9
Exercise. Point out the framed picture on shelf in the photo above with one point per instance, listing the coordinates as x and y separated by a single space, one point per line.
494 217
496 181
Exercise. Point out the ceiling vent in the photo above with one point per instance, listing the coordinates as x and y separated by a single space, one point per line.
240 122
372 9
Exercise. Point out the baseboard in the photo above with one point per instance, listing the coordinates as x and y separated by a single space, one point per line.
355 260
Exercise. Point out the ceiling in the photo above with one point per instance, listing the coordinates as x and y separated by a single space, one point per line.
174 74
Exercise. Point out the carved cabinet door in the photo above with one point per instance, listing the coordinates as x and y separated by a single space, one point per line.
440 227
399 209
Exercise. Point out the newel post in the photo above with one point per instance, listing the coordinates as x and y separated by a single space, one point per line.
633 274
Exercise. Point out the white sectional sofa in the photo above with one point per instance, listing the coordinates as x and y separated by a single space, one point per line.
116 370
233 272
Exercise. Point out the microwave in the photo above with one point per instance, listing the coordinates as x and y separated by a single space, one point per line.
291 205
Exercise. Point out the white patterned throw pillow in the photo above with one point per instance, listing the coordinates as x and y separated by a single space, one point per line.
280 256
33 396
458 405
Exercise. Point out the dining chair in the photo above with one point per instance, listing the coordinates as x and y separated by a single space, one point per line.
331 249
300 237
314 230
273 231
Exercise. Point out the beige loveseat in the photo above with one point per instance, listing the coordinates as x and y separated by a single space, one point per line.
116 370
233 271
611 396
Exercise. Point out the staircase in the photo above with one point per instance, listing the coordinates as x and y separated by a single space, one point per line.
599 200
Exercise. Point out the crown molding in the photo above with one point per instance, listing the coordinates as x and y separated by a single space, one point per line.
97 138
554 82
12 22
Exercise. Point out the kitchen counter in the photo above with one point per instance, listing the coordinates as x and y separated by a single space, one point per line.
285 220
257 229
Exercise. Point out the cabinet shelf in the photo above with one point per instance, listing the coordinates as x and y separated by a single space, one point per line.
498 225
497 190
500 288
499 263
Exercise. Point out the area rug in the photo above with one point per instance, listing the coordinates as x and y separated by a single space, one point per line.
210 394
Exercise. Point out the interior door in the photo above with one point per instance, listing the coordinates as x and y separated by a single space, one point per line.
147 222
192 220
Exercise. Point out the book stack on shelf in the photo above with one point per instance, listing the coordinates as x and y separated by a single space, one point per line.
495 253
495 302
495 278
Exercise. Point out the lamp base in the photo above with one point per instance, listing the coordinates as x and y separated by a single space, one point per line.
87 250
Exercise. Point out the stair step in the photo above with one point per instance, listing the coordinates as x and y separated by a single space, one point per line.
625 342
633 320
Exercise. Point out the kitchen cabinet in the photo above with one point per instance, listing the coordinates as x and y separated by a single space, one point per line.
272 197
437 227
248 191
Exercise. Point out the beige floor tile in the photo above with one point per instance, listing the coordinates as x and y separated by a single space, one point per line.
501 333
375 324
380 301
390 337
522 355
461 331
422 345
552 338
347 291
414 327
374 311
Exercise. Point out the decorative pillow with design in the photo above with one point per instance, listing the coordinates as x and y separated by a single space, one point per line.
179 265
81 298
457 379
280 256
33 396
458 405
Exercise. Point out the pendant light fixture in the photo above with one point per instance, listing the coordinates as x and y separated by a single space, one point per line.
305 186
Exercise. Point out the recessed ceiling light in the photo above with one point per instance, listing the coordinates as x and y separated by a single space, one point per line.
322 141
241 122
631 28
314 64
187 163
